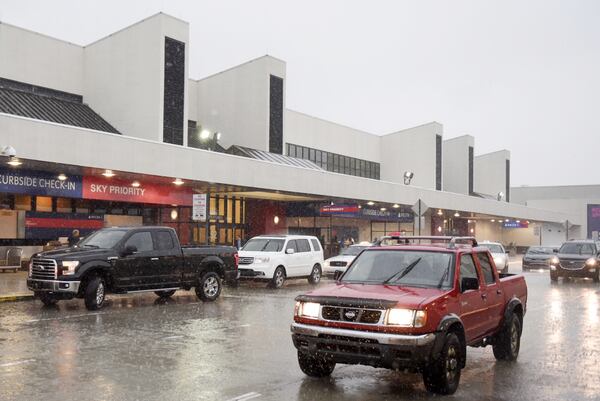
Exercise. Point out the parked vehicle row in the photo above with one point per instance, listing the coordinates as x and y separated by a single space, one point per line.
412 307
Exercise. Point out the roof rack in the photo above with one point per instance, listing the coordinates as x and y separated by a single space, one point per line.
408 239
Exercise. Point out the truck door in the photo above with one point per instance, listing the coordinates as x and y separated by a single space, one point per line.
494 298
170 261
473 310
138 270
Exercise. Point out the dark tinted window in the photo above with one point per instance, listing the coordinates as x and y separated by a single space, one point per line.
174 87
578 248
486 268
467 268
316 244
142 241
164 241
303 245
276 115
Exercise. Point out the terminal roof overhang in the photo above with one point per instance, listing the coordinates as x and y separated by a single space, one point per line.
56 143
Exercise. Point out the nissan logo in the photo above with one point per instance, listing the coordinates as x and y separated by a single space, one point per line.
350 314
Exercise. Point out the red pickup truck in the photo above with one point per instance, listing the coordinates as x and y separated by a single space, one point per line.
413 306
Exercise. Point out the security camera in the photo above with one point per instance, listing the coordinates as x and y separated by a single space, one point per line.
9 151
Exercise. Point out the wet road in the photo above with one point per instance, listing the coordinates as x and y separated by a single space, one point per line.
240 348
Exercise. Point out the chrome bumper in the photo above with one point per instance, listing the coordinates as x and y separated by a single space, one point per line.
381 338
53 285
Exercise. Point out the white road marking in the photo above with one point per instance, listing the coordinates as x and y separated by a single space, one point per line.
245 397
5 365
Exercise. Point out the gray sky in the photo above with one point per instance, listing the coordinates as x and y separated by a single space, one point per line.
520 75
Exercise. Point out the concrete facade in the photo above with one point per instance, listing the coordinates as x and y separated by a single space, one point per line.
456 164
490 174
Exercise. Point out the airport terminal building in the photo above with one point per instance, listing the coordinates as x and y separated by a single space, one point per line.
116 132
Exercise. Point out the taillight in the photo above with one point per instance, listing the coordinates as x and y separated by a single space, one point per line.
237 259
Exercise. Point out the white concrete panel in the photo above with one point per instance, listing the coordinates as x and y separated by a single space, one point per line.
489 173
124 75
40 60
314 132
456 164
412 149
235 102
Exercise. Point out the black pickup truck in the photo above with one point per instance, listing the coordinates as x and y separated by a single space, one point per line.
125 260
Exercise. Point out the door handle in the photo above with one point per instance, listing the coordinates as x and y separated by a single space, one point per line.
154 258
484 295
498 292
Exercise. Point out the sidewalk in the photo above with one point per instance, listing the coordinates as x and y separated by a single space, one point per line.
13 287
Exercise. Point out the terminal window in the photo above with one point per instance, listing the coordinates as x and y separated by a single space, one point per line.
335 162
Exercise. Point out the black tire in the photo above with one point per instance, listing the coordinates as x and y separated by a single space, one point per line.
95 293
596 278
315 275
165 294
47 299
508 341
209 287
443 375
278 279
315 366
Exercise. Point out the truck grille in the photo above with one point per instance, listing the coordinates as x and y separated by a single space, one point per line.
246 261
572 265
355 315
43 269
337 263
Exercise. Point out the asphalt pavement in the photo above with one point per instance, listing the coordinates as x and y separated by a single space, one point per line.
239 348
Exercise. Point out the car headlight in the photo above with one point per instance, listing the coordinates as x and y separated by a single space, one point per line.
498 260
68 267
554 260
406 317
308 309
591 262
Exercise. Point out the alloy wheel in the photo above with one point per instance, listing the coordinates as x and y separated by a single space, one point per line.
100 293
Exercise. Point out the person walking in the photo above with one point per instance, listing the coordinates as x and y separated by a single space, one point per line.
74 238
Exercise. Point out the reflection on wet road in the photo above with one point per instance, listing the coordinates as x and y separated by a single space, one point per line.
239 348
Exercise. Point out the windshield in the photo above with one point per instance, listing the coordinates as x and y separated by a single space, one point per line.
539 250
103 239
578 248
264 245
352 250
408 268
493 248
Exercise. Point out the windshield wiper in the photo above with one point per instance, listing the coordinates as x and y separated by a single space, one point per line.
441 283
403 272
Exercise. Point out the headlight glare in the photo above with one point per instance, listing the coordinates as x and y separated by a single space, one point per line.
591 262
401 317
309 309
554 260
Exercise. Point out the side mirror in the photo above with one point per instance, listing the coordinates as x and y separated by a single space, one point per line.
129 250
469 283
290 251
507 252
555 250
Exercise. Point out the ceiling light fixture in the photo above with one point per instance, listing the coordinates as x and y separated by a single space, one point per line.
370 203
383 209
396 206
135 184
108 173
439 212
456 214
178 181
62 177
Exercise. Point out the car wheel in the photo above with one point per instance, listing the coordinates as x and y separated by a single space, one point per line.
278 278
596 278
47 299
553 277
165 294
209 287
443 375
95 293
315 275
315 366
508 341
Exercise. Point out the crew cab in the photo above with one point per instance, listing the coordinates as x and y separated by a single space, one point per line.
576 258
128 260
274 258
415 307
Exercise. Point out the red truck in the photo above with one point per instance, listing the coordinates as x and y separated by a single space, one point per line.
414 306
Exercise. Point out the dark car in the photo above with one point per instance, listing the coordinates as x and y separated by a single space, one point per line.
577 258
134 259
538 257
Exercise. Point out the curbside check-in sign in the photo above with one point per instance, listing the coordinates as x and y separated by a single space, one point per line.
39 183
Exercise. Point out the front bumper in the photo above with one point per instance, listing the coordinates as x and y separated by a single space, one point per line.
585 272
535 264
53 286
247 273
382 350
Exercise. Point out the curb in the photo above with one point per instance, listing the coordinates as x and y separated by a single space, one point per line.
16 297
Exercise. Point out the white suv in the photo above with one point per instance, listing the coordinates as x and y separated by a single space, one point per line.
277 257
499 254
